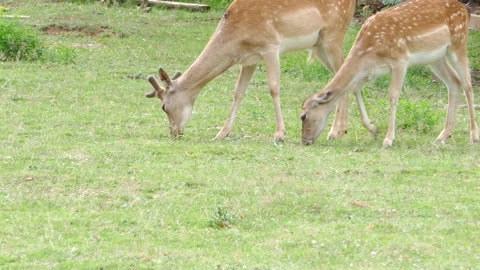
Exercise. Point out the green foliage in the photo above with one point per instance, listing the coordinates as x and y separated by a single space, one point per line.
392 2
19 43
219 4
222 218
214 4
62 54
419 116
79 1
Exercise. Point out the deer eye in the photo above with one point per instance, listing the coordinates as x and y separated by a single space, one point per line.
163 108
303 117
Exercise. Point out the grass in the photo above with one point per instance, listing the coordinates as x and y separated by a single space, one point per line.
89 178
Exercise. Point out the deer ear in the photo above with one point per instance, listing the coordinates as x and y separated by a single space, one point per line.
157 90
176 76
324 97
164 76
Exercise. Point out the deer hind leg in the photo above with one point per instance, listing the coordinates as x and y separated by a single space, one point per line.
244 79
396 85
459 61
272 64
446 73
330 53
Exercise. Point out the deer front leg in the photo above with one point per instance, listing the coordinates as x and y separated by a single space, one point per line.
244 79
367 123
398 77
340 122
272 63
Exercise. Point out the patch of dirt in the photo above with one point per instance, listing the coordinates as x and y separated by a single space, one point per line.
87 31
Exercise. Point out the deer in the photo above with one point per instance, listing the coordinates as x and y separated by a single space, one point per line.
416 32
249 33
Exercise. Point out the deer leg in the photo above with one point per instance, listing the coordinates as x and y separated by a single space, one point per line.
330 53
445 73
367 123
244 79
459 61
272 64
398 77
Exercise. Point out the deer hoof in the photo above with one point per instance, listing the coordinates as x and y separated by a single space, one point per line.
336 134
387 143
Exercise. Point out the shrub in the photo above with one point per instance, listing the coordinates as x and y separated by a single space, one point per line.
19 43
221 218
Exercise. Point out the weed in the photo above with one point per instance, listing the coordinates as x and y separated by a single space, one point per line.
419 116
222 218
61 54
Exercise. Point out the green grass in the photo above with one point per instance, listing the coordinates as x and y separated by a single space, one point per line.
89 178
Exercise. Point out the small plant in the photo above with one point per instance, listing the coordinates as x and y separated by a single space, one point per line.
19 43
417 115
62 54
222 218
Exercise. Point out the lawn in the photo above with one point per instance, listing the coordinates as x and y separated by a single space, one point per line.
90 179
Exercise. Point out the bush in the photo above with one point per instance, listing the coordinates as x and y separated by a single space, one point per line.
19 43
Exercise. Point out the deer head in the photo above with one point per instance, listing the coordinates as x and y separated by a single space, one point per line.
314 116
176 104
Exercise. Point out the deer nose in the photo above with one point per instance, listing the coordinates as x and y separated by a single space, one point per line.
176 133
307 141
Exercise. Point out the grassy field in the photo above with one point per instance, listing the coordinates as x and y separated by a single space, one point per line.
89 178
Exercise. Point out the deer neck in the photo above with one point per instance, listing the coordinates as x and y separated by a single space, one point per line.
351 75
215 59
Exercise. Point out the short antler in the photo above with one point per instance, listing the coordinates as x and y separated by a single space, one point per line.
157 89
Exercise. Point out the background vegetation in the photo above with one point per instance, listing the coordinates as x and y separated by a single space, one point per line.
90 179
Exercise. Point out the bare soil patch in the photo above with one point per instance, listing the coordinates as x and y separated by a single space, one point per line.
87 31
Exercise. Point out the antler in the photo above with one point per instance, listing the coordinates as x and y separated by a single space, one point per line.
157 89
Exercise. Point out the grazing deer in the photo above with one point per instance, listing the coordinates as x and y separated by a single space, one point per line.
417 32
252 31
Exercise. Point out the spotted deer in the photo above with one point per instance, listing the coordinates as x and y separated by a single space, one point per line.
417 32
255 31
